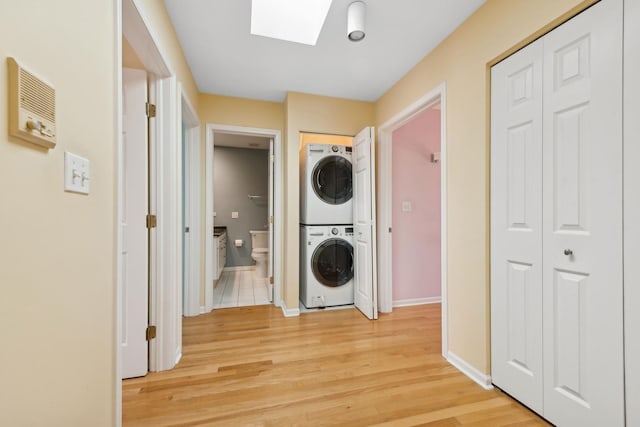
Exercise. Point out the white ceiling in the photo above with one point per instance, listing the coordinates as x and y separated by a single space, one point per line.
227 60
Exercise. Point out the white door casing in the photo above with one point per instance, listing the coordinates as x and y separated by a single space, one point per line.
582 219
133 209
516 225
364 222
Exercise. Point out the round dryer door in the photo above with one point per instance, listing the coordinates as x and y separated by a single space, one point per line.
332 180
332 262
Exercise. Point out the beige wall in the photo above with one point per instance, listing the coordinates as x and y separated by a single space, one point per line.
461 61
317 114
230 111
57 250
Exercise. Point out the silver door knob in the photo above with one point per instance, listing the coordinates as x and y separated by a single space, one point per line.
568 252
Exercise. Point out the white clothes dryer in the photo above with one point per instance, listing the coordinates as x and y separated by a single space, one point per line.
326 188
326 265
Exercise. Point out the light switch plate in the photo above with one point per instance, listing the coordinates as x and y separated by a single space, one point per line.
76 173
234 215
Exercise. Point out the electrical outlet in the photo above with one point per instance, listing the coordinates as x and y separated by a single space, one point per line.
234 215
406 207
76 173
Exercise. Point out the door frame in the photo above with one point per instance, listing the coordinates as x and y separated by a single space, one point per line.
278 211
165 269
191 297
385 240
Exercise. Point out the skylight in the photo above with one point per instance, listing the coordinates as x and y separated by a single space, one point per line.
291 20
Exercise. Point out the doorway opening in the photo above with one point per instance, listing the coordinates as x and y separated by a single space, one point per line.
413 206
243 190
138 50
241 220
191 207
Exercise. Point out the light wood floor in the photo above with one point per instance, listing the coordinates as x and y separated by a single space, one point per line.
250 366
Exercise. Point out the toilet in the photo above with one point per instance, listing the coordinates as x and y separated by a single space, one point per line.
260 252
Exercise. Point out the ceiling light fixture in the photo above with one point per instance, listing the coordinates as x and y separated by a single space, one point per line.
355 21
291 20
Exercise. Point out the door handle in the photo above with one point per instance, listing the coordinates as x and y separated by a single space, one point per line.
568 252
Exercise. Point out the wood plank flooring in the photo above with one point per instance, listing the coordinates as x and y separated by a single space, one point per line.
250 366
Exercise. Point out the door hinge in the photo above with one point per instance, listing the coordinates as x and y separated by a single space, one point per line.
151 332
151 110
271 280
270 219
152 221
186 229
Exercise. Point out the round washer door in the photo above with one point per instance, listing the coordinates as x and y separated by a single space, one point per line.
332 180
332 262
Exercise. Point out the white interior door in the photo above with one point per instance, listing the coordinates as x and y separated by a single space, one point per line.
582 219
516 225
271 196
364 223
133 206
186 219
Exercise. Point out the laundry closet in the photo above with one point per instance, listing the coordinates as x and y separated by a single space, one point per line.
557 248
336 225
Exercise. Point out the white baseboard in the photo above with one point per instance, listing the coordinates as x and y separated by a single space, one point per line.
240 268
289 312
463 366
416 301
203 310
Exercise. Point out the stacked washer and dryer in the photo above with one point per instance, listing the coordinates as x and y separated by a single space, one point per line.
326 226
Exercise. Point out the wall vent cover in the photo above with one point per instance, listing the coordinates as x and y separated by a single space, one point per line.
32 107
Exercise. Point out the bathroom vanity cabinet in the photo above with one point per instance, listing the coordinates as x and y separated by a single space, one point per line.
220 258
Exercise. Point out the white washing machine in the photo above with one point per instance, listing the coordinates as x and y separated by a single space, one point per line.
326 188
326 265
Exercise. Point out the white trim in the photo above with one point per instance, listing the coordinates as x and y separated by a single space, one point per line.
416 301
463 366
289 312
278 205
165 296
191 303
240 268
202 309
435 96
119 285
136 28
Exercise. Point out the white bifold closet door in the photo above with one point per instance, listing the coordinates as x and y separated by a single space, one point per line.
556 227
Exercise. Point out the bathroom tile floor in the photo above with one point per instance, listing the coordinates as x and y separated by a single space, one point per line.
239 288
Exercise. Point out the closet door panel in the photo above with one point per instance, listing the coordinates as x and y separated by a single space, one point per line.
582 219
516 225
632 209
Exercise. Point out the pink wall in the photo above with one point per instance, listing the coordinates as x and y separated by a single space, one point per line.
416 234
